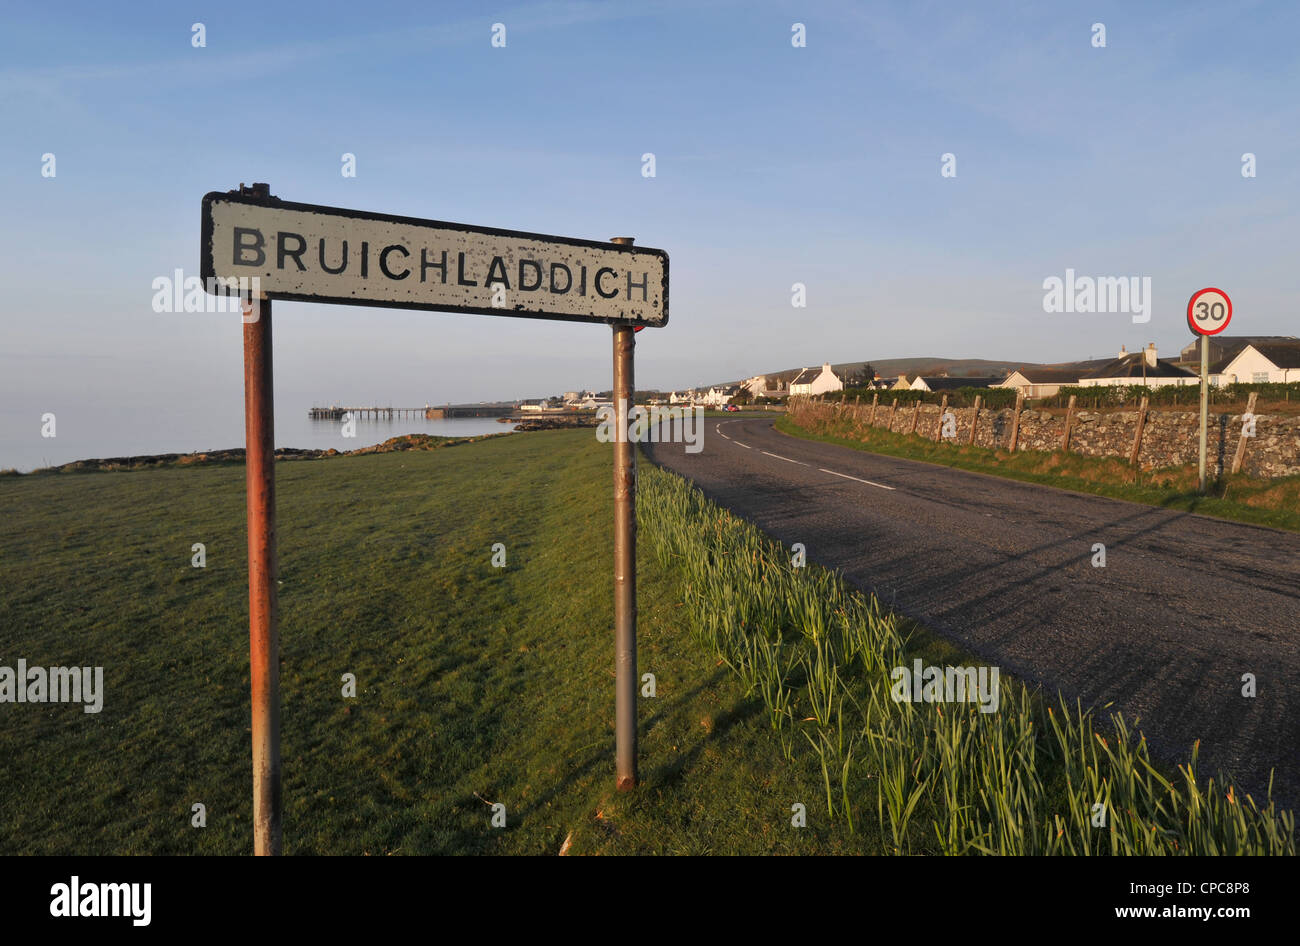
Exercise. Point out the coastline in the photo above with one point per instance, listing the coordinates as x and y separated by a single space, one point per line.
235 455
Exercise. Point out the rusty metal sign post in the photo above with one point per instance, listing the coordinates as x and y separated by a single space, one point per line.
312 253
263 572
625 679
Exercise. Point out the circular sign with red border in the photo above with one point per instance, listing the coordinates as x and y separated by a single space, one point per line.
1209 311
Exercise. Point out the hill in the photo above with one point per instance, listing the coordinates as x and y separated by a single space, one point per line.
925 365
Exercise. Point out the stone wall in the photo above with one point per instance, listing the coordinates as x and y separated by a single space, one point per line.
1170 438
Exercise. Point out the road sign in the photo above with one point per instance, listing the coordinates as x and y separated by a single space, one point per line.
1209 311
309 253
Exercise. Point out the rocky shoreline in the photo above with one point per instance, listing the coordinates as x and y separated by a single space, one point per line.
558 422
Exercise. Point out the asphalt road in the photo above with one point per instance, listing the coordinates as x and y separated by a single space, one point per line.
1184 606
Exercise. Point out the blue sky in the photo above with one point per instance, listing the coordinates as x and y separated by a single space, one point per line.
775 165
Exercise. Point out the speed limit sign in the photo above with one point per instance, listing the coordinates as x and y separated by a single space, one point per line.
1209 311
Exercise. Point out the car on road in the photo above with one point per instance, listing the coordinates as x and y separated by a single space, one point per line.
731 407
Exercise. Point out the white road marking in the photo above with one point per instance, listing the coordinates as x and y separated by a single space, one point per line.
786 459
718 428
739 444
847 477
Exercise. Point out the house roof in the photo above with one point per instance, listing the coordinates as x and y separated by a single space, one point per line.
1236 343
1282 354
952 384
1224 348
806 376
1133 365
1064 375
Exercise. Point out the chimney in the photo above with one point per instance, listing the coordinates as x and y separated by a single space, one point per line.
1123 353
1151 355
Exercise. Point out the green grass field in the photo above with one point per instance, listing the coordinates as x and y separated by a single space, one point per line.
479 685
473 682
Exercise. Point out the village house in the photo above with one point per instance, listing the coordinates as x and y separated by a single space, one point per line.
813 381
719 397
1224 348
945 383
763 386
1047 381
1263 363
1140 367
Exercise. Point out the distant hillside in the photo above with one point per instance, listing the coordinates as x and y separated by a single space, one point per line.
925 365
956 367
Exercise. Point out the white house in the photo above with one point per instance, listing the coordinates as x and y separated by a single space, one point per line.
717 397
1223 348
1262 363
813 381
760 386
1141 368
945 383
1044 382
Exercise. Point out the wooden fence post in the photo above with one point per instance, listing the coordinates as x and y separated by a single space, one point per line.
1015 421
1137 437
974 420
875 399
1240 456
1069 423
892 411
938 428
916 415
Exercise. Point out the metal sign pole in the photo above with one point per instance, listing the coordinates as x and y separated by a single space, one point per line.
1209 311
263 607
625 679
1205 400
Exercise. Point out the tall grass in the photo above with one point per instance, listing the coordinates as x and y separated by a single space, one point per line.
1035 777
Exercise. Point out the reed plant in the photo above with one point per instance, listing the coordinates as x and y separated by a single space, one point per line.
1037 776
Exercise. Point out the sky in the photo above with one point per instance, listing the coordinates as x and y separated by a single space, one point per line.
774 164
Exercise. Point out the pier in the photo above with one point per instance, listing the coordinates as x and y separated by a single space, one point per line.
427 412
